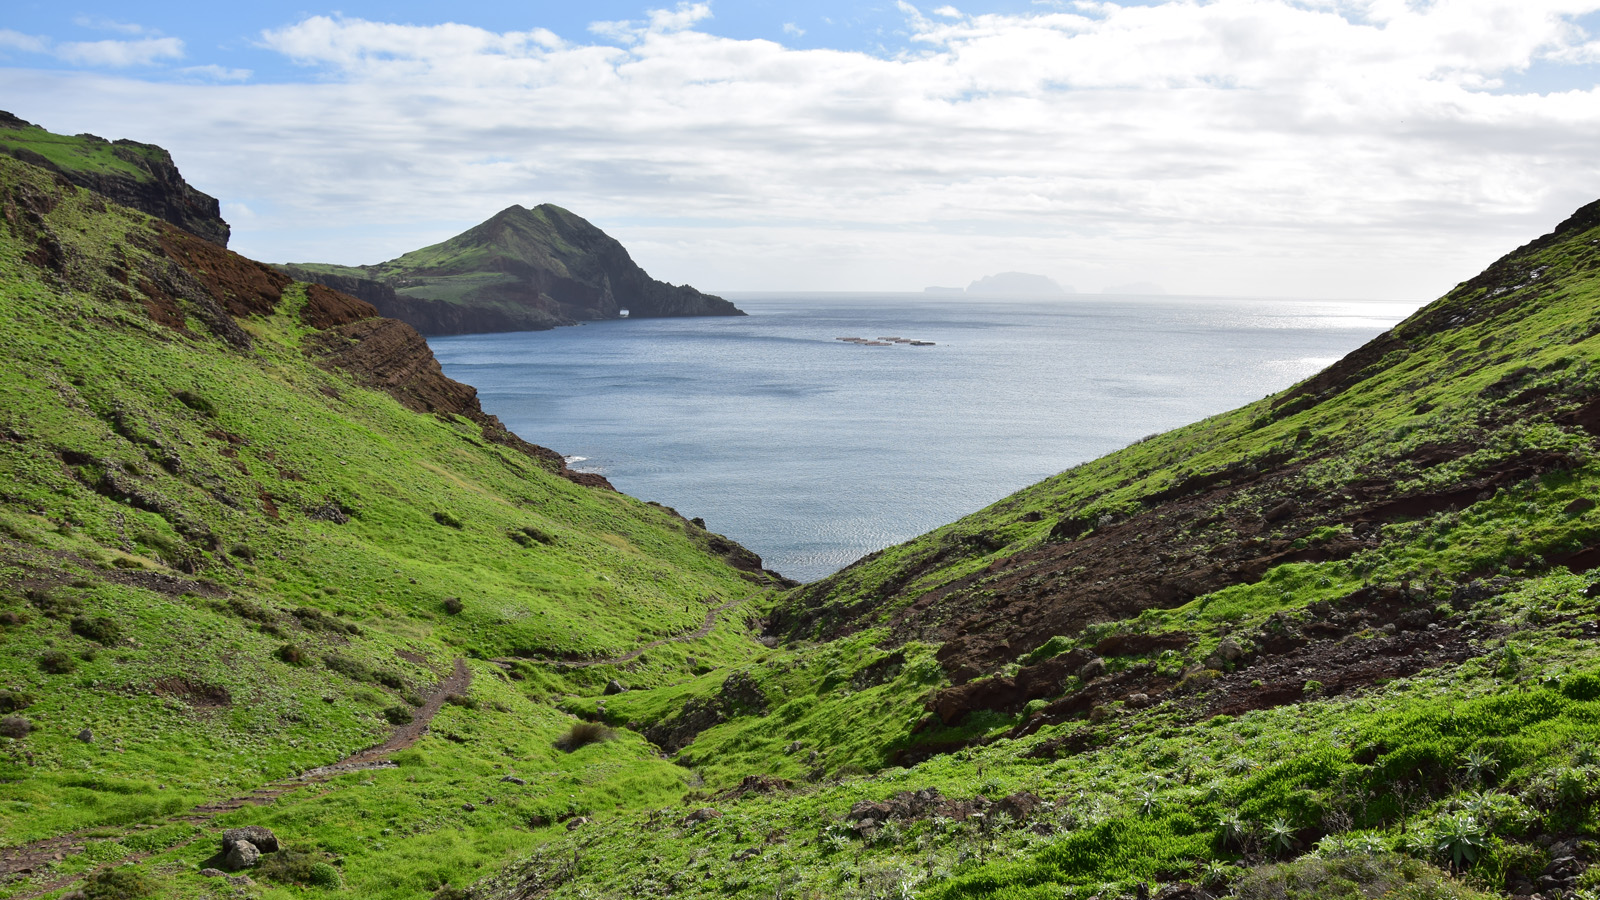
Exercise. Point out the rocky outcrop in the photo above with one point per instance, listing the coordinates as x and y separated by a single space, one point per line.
522 270
261 836
740 696
148 182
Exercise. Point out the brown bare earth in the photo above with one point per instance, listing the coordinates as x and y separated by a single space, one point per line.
1361 641
246 287
327 308
1213 531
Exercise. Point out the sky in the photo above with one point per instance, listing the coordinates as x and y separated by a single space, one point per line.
1382 149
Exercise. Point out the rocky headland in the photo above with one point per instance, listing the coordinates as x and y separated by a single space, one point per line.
522 270
142 176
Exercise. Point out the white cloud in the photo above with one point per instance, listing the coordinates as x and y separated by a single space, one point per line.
354 45
216 73
110 53
684 16
25 43
1327 148
949 12
119 54
657 21
792 28
100 23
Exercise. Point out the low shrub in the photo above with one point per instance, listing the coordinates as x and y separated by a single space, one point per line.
398 715
582 734
298 867
317 620
389 679
529 536
1582 687
54 604
123 883
452 605
244 609
324 875
56 662
12 701
196 402
103 630
447 520
1356 876
344 665
462 701
15 727
292 655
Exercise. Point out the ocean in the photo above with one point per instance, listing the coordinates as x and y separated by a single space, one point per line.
814 452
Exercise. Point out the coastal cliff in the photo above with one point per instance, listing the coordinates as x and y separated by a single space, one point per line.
522 270
141 176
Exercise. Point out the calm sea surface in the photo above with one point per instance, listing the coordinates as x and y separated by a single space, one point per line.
813 452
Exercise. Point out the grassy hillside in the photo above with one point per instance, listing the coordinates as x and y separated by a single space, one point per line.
80 153
225 561
1339 642
537 237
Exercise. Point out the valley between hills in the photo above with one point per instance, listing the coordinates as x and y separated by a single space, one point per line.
285 613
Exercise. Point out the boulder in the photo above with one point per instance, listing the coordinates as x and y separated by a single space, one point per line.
703 814
259 835
1092 669
615 687
512 779
212 873
242 855
86 736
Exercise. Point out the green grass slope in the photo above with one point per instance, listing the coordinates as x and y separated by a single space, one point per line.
80 153
541 237
1337 643
225 561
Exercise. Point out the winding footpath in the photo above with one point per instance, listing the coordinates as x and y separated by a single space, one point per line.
704 629
39 856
